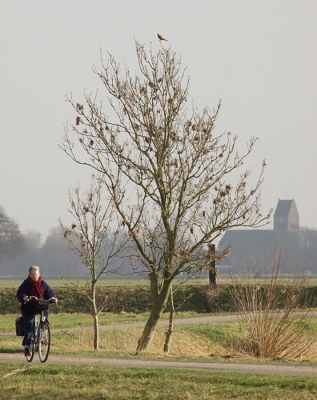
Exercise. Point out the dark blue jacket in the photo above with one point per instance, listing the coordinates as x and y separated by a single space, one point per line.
25 290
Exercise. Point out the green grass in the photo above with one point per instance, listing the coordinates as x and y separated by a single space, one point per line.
23 381
59 282
65 320
15 282
214 332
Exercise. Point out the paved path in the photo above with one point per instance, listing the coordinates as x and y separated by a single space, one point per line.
301 370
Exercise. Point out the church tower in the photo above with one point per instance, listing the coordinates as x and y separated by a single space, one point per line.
286 217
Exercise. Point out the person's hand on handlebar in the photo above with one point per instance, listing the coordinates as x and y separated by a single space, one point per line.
27 298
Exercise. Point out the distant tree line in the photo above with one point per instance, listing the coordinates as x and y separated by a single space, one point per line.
12 242
308 248
18 251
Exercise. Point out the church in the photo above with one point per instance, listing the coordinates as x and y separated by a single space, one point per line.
256 245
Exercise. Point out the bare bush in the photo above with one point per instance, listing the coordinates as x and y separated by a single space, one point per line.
272 322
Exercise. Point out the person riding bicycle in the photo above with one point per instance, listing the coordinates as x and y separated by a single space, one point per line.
34 285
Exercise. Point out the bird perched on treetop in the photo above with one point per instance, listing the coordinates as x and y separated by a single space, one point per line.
160 37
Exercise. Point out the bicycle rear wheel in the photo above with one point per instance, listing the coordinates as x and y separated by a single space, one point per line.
44 341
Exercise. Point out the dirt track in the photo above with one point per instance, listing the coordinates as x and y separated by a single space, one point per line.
303 370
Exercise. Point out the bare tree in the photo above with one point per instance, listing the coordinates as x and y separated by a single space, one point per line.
12 242
90 238
165 169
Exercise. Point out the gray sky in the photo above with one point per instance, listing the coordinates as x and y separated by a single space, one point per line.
259 57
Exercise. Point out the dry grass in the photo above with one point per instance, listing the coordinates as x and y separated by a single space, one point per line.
184 343
294 345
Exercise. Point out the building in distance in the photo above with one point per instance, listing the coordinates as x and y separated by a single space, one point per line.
250 247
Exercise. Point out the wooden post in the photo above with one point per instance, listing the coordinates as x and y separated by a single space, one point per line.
212 277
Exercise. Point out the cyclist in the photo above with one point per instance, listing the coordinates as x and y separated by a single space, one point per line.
34 285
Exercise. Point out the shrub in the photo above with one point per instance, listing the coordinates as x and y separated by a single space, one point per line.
272 320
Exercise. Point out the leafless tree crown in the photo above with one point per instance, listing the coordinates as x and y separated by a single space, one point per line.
165 168
91 236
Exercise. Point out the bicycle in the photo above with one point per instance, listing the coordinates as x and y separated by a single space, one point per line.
41 335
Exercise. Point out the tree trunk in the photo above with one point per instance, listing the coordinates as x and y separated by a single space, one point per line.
159 303
95 316
169 332
96 332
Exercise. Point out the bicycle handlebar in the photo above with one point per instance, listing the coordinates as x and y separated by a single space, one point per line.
35 298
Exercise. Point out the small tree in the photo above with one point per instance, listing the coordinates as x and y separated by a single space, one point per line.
171 309
90 238
165 169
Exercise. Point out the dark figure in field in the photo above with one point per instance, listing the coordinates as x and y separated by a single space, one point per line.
32 286
213 272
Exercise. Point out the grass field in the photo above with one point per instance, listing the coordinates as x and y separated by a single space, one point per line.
115 342
189 342
109 281
131 281
203 342
64 320
21 381
59 282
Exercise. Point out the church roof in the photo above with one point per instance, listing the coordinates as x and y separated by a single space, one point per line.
283 208
248 236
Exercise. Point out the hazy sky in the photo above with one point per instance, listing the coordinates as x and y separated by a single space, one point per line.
259 57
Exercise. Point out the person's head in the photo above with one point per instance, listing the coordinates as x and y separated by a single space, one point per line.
34 272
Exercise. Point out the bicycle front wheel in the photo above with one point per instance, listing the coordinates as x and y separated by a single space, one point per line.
44 341
30 356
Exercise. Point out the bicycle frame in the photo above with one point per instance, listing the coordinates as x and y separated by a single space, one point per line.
41 337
